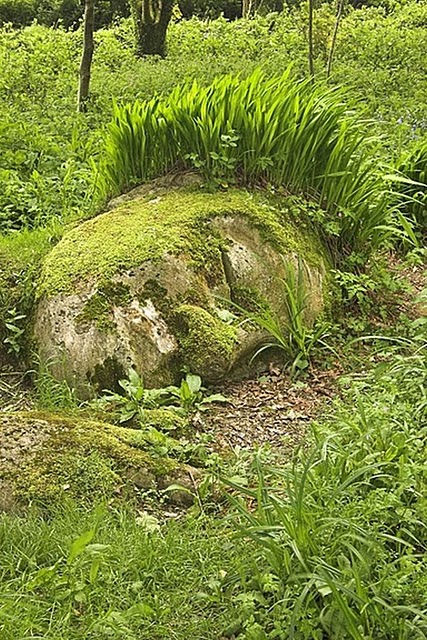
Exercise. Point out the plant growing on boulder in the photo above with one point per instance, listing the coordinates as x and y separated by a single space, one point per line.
275 131
295 338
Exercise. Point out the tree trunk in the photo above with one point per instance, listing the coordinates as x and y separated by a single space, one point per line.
151 20
310 38
334 37
246 7
86 61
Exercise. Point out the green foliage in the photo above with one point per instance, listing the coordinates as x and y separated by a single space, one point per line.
14 331
192 396
256 130
295 336
51 393
37 185
20 258
338 540
230 9
379 58
342 531
134 401
111 574
67 13
17 12
189 396
413 186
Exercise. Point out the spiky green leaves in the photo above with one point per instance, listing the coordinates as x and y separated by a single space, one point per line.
257 130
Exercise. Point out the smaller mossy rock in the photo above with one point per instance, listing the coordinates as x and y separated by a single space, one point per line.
141 286
45 457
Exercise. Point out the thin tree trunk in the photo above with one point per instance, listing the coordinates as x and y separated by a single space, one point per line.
334 37
245 8
310 38
86 62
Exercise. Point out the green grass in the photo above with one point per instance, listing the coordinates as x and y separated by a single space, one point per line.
331 546
343 530
125 582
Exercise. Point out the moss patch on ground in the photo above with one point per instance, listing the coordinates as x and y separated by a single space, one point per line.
147 229
164 420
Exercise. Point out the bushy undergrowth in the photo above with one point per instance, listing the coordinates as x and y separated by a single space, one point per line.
342 533
20 258
413 188
46 147
336 543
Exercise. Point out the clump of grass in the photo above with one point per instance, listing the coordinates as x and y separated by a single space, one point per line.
294 336
413 188
114 574
256 130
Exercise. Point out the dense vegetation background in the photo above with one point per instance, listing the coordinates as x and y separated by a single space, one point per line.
48 151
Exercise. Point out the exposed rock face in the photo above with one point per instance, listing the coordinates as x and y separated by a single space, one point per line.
45 457
146 284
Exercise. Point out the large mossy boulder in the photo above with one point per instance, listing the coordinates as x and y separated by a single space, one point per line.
46 457
146 284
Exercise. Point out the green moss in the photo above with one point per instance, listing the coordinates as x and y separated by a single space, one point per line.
177 222
206 342
207 256
164 420
249 298
82 459
100 305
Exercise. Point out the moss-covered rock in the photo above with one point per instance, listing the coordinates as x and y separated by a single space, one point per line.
206 343
165 420
141 285
45 457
